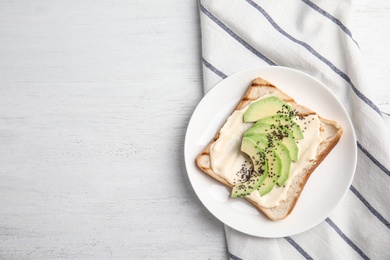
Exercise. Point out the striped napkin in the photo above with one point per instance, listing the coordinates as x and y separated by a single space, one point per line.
314 37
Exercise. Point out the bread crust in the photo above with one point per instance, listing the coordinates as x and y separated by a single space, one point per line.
330 129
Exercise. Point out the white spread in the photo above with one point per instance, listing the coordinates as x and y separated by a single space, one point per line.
227 158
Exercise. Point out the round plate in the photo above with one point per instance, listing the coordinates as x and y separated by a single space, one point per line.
325 188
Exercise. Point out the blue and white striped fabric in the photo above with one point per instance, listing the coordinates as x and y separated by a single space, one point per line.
314 37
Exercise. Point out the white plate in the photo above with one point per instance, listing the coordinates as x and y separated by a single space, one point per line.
327 185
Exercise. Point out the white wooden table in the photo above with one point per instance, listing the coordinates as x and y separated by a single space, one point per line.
95 97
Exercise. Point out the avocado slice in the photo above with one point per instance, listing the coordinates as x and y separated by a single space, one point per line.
284 154
274 163
291 144
284 122
278 133
280 150
266 107
259 172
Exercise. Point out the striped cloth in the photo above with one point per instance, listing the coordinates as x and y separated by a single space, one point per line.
314 37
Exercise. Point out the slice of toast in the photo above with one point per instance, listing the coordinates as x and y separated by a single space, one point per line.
329 130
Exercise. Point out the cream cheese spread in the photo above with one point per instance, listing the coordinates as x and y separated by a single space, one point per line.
227 159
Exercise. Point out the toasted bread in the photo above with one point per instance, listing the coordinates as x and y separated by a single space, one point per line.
330 132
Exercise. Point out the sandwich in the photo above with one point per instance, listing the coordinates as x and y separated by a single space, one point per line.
268 148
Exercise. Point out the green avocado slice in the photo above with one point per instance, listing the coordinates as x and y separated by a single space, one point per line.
259 172
285 122
266 107
284 154
277 133
291 144
274 163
